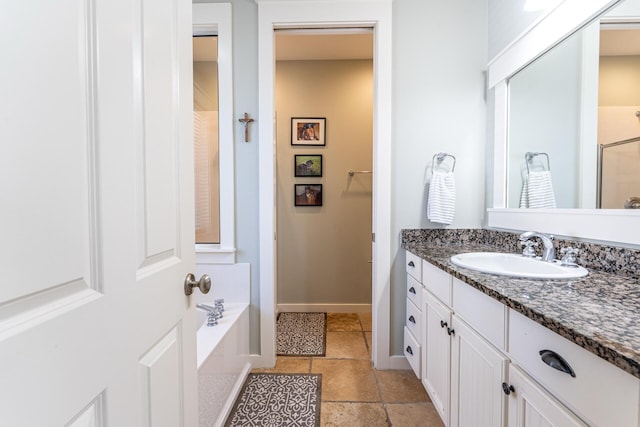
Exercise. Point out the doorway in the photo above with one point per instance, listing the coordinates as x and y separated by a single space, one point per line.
324 104
372 14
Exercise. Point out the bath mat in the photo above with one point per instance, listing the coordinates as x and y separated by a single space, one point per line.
291 400
301 334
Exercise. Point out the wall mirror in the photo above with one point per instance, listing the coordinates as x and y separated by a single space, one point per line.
213 117
551 88
550 98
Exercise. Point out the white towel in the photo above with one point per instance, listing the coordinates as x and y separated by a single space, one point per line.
441 203
537 191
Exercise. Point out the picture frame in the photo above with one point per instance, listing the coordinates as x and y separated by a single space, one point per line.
307 165
308 131
307 194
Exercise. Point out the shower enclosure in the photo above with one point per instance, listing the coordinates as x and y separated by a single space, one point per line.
619 174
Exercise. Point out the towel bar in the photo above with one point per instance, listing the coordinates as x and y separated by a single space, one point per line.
440 157
529 156
352 172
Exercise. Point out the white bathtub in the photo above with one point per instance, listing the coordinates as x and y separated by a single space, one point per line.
222 362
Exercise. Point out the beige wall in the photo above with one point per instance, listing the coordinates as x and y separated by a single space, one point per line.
323 252
619 80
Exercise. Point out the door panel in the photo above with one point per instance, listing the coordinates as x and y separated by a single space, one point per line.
96 171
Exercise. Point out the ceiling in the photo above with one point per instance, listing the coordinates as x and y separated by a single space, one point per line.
619 42
324 44
311 44
205 48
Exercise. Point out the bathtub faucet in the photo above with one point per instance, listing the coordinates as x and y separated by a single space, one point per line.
213 314
549 252
205 307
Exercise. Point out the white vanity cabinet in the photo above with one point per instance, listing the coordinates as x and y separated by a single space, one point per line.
462 371
413 317
484 364
599 392
532 406
436 356
478 371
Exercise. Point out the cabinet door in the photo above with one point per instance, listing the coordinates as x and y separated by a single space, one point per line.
436 350
477 373
531 406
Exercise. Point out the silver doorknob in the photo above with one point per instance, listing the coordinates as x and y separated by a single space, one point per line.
204 284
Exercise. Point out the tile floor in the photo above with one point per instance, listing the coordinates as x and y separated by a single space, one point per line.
355 394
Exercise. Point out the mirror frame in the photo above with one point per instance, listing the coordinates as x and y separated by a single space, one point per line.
610 225
215 18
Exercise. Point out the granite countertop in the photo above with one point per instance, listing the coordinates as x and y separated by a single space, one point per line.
599 312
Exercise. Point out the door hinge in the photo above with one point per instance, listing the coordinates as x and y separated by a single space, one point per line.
373 237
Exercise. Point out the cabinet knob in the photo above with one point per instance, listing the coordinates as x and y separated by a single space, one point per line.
408 350
507 388
412 319
412 290
411 264
443 324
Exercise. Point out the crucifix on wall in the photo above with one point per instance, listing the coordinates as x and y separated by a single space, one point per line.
246 120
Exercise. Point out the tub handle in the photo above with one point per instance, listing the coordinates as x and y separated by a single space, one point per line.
204 284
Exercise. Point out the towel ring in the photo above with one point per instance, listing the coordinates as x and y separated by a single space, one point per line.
440 157
529 156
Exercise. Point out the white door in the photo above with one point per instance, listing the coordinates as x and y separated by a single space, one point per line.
531 406
477 373
436 353
96 213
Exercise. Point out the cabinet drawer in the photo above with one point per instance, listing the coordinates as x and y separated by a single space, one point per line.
437 281
414 320
601 393
414 265
486 314
414 291
412 351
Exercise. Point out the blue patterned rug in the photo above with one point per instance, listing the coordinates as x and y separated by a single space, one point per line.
301 334
277 400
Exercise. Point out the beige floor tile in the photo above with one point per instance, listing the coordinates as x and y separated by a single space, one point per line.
339 414
365 320
401 386
350 380
288 365
346 345
413 415
341 322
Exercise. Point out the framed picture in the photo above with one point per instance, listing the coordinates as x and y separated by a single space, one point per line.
308 131
308 165
307 194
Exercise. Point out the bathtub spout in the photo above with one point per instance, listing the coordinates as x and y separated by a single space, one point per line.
205 307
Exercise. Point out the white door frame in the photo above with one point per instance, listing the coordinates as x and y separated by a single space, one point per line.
274 14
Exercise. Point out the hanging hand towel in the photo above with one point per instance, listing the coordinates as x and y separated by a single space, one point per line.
537 191
441 203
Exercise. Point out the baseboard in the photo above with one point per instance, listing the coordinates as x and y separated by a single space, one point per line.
324 308
398 362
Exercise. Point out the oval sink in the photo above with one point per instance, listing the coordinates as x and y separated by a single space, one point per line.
515 265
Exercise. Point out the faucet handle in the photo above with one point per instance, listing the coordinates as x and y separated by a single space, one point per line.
528 250
569 257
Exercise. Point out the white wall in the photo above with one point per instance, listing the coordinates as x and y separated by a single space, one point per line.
245 92
440 55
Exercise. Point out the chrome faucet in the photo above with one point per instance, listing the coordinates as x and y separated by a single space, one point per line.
213 313
205 307
549 251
